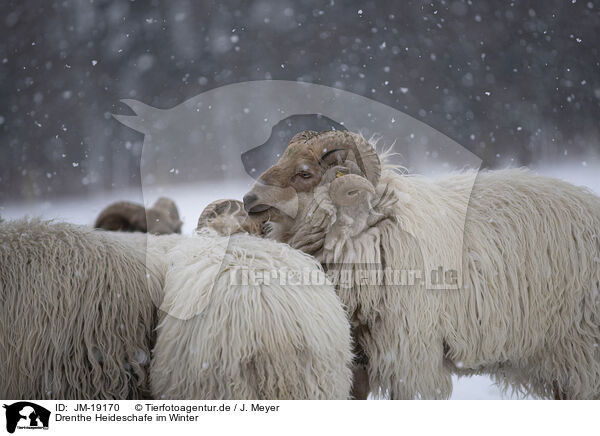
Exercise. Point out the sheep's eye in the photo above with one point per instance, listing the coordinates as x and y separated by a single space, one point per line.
304 175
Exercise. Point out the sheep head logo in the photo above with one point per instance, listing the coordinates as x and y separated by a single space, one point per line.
207 148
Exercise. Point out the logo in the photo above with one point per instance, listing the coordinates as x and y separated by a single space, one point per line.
200 140
26 415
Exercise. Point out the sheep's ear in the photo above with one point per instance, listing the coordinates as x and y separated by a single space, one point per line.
333 157
344 189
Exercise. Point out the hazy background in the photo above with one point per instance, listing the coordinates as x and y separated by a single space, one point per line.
518 85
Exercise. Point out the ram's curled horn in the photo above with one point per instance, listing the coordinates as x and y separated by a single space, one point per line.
227 217
304 136
363 153
344 190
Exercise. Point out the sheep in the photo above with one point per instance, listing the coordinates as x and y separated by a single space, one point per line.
234 338
161 219
78 312
80 309
227 217
527 310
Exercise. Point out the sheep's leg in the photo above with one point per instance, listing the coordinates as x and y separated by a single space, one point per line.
360 382
360 373
559 394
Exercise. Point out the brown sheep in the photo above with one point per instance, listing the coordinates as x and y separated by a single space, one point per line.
161 219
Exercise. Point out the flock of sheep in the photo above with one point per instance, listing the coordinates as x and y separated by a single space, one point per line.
102 314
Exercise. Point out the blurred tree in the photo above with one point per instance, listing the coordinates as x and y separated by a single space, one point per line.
514 84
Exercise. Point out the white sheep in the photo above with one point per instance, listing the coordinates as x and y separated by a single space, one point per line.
78 312
528 310
229 337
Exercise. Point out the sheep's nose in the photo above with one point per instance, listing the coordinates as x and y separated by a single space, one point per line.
249 199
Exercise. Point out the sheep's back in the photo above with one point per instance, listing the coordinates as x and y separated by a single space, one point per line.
532 272
77 312
528 306
223 339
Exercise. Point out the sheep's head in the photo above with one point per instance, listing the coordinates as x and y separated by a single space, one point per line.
298 196
227 217
161 219
122 216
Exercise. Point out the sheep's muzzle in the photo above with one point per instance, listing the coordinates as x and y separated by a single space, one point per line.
264 197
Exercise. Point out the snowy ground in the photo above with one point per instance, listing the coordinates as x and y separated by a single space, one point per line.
191 200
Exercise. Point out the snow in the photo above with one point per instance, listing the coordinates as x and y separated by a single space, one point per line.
191 200
579 173
477 387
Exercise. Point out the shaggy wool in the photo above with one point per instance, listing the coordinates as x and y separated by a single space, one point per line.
230 338
527 310
77 312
